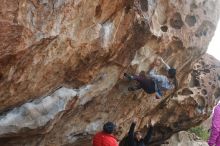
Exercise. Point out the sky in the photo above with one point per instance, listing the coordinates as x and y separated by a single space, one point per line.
214 46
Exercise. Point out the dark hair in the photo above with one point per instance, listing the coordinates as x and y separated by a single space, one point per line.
172 73
137 133
109 127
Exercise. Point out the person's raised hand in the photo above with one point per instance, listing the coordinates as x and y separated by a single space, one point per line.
135 120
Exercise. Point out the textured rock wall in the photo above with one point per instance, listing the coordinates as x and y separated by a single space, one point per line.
62 64
184 138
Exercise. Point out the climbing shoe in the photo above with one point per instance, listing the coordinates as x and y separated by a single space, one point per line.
129 77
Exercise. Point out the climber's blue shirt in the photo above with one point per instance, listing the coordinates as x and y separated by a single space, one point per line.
161 82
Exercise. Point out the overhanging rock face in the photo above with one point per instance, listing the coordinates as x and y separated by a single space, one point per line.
62 64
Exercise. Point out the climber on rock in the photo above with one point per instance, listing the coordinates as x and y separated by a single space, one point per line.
153 82
136 138
106 137
214 139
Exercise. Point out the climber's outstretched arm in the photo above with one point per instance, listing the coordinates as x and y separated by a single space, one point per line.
166 65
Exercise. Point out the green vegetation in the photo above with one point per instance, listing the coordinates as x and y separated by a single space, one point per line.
200 132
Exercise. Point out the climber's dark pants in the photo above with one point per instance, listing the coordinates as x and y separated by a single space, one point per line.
147 84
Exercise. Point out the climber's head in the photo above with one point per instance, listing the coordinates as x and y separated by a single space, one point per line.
109 127
172 73
138 135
